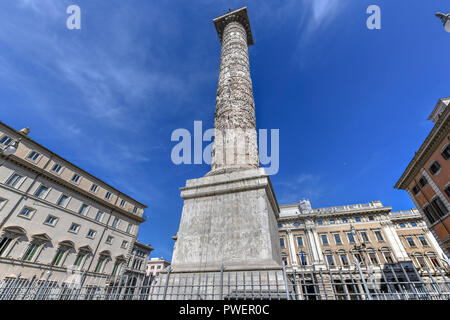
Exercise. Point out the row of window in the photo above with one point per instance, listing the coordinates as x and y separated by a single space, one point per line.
63 200
346 220
57 168
343 260
74 227
412 243
60 256
404 225
337 238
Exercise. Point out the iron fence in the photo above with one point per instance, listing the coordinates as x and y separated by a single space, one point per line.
393 282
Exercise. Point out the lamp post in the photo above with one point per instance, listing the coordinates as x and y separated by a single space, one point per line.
445 18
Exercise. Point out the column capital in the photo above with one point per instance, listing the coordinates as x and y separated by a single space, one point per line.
239 15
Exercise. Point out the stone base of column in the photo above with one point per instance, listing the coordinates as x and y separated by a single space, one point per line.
228 220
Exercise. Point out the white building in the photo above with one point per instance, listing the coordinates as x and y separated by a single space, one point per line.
54 216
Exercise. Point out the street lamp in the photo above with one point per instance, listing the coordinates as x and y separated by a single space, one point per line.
445 18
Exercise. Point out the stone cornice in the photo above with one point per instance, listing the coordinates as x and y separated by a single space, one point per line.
321 215
239 15
437 134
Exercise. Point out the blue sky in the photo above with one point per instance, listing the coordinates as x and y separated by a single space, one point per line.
351 104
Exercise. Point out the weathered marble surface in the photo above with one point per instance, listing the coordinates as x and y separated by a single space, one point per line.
235 143
228 219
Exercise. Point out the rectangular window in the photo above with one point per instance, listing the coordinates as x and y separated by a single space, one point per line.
26 212
14 180
122 203
430 214
337 238
446 152
91 233
439 206
344 220
300 241
423 181
94 188
135 210
364 236
447 191
282 244
423 241
83 209
56 168
75 178
435 167
415 189
129 228
371 218
99 216
319 222
124 244
402 225
115 223
62 202
5 140
350 237
51 220
33 155
324 239
30 252
413 224
109 239
358 219
41 192
331 221
108 195
74 228
378 235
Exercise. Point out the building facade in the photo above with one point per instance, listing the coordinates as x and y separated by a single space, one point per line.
56 217
156 265
336 238
427 177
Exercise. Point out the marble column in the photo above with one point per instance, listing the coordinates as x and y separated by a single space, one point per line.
235 143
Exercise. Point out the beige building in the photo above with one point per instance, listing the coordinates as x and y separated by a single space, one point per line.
156 265
335 238
56 217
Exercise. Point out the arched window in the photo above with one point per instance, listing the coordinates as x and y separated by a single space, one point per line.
61 252
103 259
10 234
35 246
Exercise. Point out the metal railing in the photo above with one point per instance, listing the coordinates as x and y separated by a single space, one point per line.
393 282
